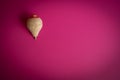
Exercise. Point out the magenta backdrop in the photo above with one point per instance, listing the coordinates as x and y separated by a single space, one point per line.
79 40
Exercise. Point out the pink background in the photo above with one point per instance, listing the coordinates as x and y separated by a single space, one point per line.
79 40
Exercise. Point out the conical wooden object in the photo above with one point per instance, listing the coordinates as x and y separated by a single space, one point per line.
34 25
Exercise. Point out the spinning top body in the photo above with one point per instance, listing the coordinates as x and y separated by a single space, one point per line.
34 25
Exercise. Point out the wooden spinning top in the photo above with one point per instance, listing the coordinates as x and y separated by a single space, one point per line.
34 25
